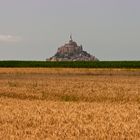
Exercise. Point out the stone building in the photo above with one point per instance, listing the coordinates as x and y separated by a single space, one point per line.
72 52
70 47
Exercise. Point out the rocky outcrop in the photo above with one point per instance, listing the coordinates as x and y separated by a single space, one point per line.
72 52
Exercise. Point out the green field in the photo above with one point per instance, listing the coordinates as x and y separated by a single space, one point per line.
81 64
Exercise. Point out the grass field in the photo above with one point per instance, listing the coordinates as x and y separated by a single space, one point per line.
72 64
58 103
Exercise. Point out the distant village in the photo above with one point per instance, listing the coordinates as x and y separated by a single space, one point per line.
72 52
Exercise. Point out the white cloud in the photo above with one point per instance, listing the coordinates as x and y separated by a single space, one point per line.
9 38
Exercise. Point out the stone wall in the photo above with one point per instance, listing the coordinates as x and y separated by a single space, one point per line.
69 49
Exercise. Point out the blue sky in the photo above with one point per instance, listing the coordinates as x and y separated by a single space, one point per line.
34 29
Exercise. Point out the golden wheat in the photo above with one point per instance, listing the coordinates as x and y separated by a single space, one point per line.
40 103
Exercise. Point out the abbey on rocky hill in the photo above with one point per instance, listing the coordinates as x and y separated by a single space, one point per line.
72 52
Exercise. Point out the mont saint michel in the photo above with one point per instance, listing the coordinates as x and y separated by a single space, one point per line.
72 52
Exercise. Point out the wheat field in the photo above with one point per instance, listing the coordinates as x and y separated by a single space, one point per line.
77 104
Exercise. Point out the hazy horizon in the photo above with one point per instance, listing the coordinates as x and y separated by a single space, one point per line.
33 30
